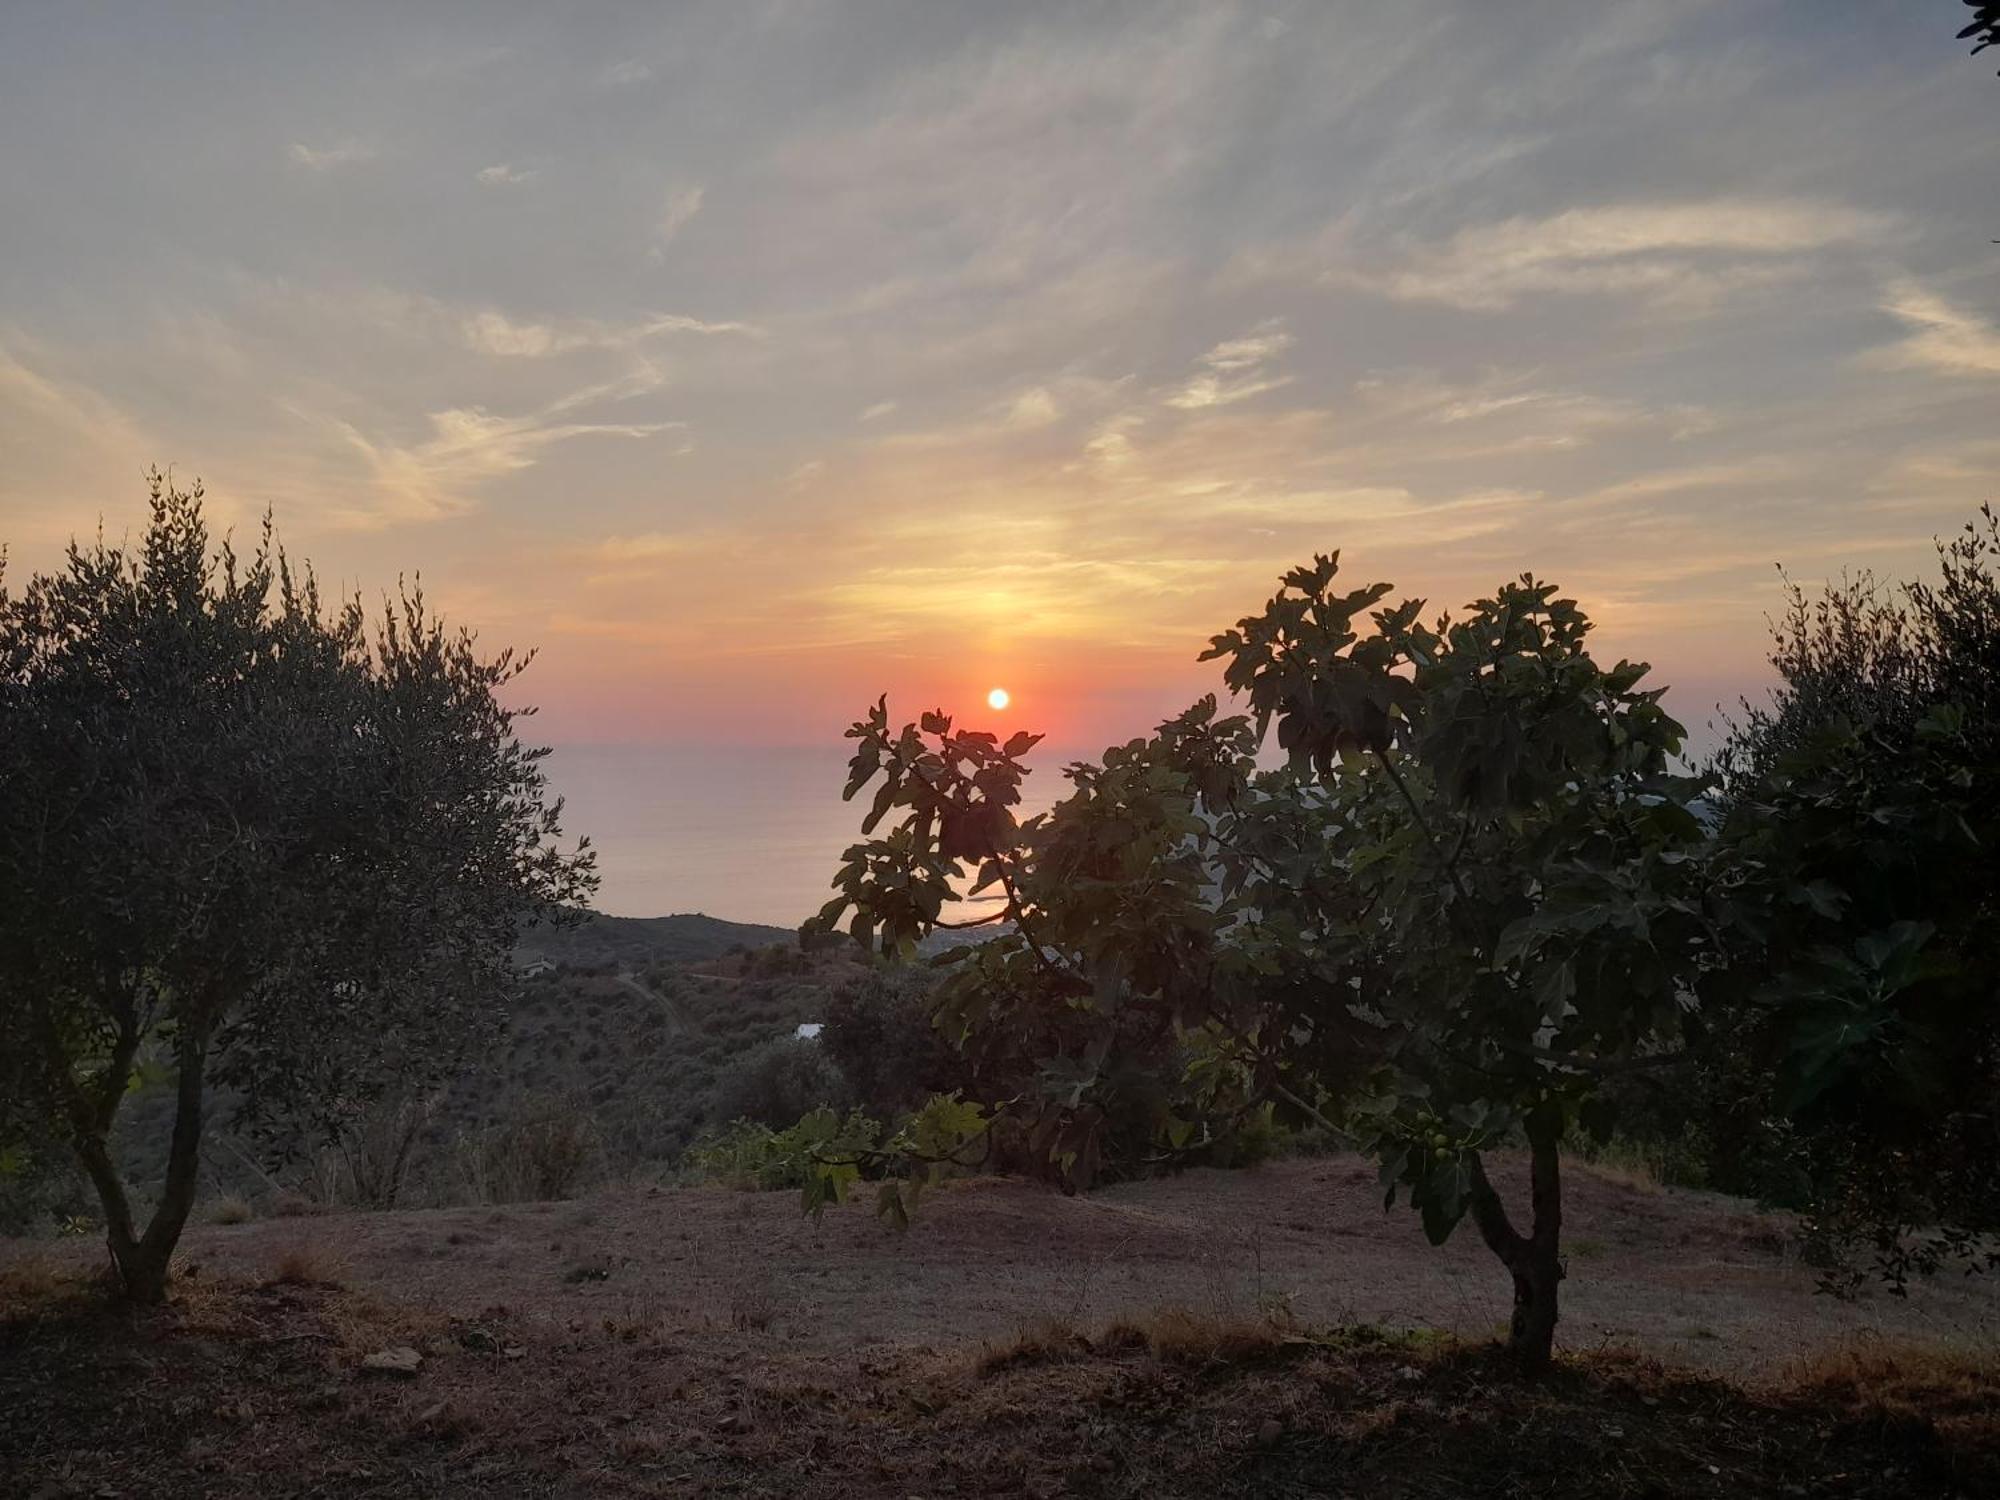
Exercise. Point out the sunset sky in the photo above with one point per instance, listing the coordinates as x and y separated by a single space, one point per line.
755 358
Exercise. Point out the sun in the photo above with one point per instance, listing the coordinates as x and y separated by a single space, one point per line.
998 698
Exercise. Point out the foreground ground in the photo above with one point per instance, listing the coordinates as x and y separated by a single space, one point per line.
1190 1336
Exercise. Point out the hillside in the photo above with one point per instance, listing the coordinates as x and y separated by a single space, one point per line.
684 938
642 1047
621 1056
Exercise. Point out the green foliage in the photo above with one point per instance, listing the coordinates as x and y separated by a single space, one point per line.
826 1153
822 1154
1854 1044
780 1080
878 1032
750 1155
248 843
1471 896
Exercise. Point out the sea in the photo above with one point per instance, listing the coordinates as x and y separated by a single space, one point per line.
745 833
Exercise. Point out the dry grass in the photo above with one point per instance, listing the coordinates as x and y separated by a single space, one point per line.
753 1306
1903 1384
231 1209
235 1391
1174 1335
32 1278
302 1264
1041 1343
1181 1335
1633 1175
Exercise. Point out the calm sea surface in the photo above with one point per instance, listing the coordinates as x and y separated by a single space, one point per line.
747 834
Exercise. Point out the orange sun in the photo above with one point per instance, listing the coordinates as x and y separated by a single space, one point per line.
998 698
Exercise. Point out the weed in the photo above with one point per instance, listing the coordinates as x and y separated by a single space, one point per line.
1951 1387
230 1210
305 1265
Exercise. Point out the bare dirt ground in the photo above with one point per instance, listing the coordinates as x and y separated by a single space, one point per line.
1692 1278
694 1342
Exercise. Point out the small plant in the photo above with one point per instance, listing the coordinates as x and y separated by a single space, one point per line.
752 1307
541 1154
230 1209
755 1158
305 1265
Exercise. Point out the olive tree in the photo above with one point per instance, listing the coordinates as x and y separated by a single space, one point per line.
1466 901
246 844
1858 1028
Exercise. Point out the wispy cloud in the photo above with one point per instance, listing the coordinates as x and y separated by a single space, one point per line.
1034 407
70 447
1946 338
1682 252
1235 369
493 332
466 448
505 174
681 207
623 74
344 153
652 546
878 411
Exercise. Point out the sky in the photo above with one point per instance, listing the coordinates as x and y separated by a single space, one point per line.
752 359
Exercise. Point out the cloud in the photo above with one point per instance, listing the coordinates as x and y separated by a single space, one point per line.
1946 338
71 453
345 153
467 447
504 174
1234 369
651 546
1110 445
623 74
1687 252
1034 407
493 332
681 207
879 410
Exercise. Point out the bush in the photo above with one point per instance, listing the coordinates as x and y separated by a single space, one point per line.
879 1033
1853 1042
752 1156
230 1210
542 1153
778 1082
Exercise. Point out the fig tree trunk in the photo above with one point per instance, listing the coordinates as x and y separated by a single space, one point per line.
1533 1260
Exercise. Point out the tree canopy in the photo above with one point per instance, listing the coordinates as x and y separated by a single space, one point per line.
1464 902
1861 1024
247 843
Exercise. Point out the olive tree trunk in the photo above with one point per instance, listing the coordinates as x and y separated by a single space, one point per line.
1533 1260
143 1261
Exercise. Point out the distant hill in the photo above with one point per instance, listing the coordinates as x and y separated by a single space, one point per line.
637 1028
637 942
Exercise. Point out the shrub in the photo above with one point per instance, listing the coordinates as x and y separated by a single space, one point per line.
779 1082
752 1156
879 1034
230 1210
541 1153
